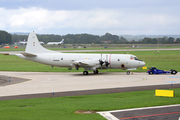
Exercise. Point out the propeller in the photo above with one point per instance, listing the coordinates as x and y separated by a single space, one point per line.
101 62
106 62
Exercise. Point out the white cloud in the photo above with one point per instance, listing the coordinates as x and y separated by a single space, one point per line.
118 21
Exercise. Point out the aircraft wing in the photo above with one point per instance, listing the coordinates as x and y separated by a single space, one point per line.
131 69
28 54
86 63
81 62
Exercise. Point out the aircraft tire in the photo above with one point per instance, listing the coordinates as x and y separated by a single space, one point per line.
128 72
85 72
96 72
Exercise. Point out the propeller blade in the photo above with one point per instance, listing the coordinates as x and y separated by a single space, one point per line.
101 62
106 62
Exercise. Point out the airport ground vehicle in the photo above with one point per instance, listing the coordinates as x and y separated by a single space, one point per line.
154 70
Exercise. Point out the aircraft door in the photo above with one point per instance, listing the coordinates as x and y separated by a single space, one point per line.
114 61
118 62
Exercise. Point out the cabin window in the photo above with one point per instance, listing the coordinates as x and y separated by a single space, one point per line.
61 58
118 59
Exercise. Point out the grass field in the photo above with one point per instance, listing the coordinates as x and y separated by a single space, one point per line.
63 108
96 47
163 60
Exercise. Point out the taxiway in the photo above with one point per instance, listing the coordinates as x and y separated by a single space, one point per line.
48 82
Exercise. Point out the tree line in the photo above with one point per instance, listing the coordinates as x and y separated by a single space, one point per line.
96 39
7 38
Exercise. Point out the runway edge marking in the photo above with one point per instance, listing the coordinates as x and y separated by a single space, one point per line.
109 116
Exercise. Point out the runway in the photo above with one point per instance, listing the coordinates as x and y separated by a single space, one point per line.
63 84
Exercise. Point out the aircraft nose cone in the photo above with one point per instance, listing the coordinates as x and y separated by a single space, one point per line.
142 64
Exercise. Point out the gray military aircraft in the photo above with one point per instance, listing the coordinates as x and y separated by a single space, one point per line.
90 62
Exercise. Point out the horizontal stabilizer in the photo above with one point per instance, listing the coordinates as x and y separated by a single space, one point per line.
9 54
28 54
5 53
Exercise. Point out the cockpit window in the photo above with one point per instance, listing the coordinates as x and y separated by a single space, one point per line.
135 58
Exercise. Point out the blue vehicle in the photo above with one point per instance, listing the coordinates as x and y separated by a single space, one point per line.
154 70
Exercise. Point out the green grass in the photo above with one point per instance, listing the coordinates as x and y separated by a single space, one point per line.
165 60
12 49
63 108
94 47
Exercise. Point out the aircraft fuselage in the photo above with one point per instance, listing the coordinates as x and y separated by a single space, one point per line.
116 61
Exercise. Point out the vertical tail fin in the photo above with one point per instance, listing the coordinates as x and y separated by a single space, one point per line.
33 46
62 41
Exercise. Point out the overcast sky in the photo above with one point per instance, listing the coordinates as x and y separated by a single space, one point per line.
120 17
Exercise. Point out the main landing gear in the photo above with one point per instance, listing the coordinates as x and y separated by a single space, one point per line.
96 72
86 72
128 72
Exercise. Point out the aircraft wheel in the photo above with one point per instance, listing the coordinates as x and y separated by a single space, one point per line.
128 72
85 72
96 72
